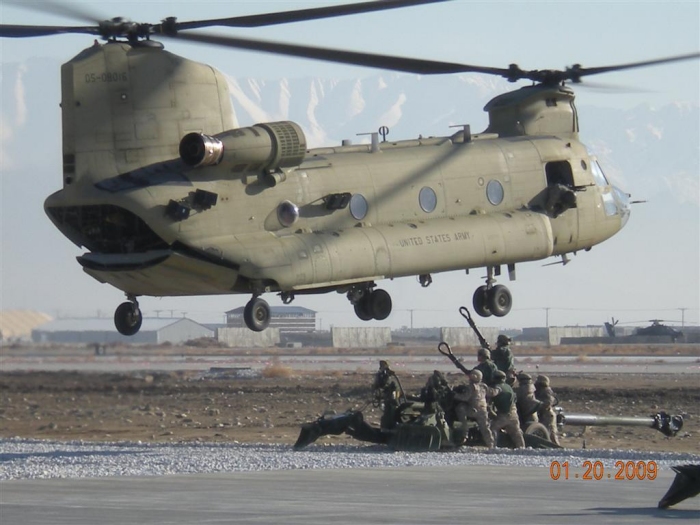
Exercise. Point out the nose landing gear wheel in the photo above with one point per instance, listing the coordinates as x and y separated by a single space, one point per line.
128 318
257 314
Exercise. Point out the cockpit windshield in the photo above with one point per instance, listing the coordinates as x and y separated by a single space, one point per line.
598 174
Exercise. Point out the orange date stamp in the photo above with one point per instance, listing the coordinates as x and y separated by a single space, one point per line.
596 470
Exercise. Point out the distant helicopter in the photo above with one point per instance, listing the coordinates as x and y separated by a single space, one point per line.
170 200
656 329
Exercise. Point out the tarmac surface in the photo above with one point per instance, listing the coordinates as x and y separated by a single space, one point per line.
477 494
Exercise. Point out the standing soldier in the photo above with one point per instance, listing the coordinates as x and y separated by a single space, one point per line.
546 413
503 399
503 357
526 402
387 394
471 403
485 366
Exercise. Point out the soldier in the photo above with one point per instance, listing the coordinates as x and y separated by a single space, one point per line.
526 402
387 394
503 357
471 403
546 413
503 399
485 366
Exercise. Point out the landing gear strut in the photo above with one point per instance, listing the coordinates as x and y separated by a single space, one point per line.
370 304
127 317
257 314
491 300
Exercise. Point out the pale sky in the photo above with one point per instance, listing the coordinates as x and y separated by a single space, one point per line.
615 279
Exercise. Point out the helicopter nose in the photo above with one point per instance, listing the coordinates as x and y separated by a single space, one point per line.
622 200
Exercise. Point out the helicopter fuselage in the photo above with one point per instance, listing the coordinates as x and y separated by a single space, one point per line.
269 215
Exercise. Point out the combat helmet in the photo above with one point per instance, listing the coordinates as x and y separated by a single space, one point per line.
524 377
476 376
542 380
499 376
503 340
484 352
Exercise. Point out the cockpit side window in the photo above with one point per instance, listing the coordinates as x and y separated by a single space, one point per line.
598 174
559 172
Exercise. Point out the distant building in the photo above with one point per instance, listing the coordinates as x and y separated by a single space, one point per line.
288 319
153 331
18 324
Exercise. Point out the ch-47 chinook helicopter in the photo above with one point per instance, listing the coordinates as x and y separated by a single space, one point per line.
170 200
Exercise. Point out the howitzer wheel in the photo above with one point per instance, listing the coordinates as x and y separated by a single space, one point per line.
538 430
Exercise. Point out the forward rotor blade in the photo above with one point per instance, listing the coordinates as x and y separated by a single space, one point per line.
585 71
15 31
48 6
408 65
300 15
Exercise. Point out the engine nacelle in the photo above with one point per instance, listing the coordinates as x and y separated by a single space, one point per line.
261 147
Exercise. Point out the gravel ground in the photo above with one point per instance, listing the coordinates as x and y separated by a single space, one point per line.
38 459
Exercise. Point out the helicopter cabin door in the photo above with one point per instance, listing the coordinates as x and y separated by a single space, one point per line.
561 205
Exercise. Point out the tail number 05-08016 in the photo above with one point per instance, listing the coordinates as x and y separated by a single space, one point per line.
106 77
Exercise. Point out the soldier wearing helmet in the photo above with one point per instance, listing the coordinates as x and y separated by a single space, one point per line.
387 394
526 402
503 357
470 402
547 415
485 366
503 399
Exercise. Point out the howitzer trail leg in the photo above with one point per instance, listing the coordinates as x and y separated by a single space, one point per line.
351 423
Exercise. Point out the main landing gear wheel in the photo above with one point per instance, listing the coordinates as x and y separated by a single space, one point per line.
374 305
480 301
257 314
380 304
500 301
492 301
128 318
362 310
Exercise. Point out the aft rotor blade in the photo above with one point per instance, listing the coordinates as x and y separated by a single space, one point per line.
301 15
16 31
408 65
585 71
67 10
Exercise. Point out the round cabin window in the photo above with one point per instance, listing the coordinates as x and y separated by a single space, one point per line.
494 192
287 213
427 199
358 206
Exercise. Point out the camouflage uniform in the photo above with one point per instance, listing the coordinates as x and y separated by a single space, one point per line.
471 403
486 366
502 357
387 391
526 402
503 399
546 413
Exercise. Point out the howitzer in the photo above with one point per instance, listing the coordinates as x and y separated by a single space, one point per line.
465 313
667 424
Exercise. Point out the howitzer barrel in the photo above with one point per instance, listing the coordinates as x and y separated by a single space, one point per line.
588 420
665 423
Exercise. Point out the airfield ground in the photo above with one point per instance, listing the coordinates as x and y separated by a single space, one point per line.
269 406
